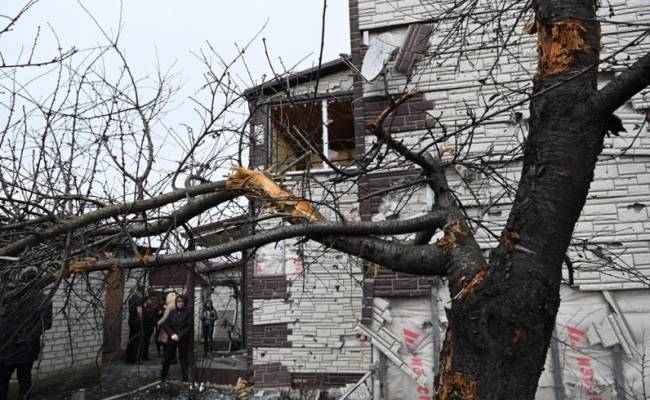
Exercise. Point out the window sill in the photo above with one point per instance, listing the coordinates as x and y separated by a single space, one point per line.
318 171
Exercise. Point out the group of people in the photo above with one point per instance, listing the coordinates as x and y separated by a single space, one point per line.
144 314
25 317
170 322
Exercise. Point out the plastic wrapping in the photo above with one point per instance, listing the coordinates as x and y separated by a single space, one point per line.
411 321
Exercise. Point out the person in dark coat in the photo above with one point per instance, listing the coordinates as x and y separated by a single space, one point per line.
208 318
178 326
149 319
157 310
136 340
22 323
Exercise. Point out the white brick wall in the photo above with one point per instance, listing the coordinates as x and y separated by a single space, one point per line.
75 339
324 301
380 13
616 214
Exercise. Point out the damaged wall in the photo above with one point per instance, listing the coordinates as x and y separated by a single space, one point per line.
587 332
406 367
304 306
305 303
589 327
615 219
611 250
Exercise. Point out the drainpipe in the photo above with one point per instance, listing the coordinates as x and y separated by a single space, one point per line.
619 373
435 328
558 384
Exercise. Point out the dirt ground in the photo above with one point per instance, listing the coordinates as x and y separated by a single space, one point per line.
119 378
121 381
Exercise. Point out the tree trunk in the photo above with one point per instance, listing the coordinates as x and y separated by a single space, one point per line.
501 320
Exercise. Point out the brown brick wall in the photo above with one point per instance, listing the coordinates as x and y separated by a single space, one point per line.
372 183
415 45
169 276
368 295
270 375
248 316
357 52
263 287
258 152
412 115
268 287
398 284
272 335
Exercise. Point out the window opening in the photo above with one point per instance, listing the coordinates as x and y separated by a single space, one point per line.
299 132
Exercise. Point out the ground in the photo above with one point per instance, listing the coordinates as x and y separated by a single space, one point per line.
119 378
141 382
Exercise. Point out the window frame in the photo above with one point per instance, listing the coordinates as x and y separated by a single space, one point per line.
324 100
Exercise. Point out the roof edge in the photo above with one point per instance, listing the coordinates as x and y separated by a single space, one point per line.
289 80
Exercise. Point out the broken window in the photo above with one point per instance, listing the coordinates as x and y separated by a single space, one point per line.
302 132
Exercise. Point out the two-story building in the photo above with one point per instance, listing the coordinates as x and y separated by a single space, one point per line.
319 317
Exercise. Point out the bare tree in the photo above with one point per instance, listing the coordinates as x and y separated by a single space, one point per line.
104 126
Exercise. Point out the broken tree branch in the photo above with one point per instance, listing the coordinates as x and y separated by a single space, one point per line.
426 257
180 216
75 222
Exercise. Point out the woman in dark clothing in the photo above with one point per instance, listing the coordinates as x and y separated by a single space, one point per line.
178 327
208 318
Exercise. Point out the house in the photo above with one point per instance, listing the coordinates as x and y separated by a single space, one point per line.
610 253
305 302
318 317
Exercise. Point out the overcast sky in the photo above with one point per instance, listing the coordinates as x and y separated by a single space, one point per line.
164 34
170 30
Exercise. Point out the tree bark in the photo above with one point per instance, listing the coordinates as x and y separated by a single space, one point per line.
501 320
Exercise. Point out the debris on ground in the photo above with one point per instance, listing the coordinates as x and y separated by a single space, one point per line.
121 381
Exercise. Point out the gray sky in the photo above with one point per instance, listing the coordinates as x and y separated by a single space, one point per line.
170 30
165 33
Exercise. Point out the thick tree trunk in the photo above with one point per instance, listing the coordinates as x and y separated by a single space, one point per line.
501 320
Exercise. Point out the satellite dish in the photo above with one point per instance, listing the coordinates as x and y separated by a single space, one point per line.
377 56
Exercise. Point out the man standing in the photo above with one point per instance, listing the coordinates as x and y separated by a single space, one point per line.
151 316
136 338
22 322
208 318
178 326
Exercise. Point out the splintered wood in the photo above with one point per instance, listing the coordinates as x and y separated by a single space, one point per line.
77 266
559 43
470 287
452 233
258 185
454 385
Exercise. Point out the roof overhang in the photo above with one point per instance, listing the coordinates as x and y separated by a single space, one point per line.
285 81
